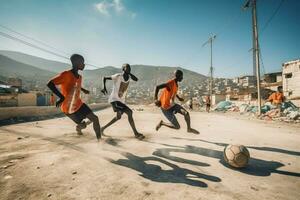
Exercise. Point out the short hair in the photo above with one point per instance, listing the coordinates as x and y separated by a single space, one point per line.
178 72
279 88
125 65
75 58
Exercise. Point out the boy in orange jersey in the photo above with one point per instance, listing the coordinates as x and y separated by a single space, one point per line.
69 96
277 98
168 105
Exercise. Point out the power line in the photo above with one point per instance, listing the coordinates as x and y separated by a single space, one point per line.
33 39
272 16
39 48
31 45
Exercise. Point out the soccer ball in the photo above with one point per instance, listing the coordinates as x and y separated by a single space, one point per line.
236 155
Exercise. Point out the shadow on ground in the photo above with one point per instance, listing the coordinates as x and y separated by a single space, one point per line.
272 149
155 173
256 167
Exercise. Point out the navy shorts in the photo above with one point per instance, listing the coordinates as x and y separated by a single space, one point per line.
119 107
170 113
80 114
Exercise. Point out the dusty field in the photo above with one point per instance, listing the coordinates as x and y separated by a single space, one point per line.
47 160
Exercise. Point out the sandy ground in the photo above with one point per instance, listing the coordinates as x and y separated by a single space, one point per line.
47 160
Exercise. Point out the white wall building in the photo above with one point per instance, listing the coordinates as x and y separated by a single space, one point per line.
291 79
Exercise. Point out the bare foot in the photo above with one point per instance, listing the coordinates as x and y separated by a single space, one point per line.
191 130
139 136
158 125
81 126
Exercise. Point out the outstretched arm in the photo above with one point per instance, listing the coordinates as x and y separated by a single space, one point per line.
104 91
133 77
54 89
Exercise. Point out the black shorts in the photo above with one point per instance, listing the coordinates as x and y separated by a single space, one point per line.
119 106
170 113
80 114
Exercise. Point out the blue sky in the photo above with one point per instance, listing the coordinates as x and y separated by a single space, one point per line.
157 32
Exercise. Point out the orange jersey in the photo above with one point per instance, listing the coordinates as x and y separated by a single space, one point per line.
276 98
70 88
168 94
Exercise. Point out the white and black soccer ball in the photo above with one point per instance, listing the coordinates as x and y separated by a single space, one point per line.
236 155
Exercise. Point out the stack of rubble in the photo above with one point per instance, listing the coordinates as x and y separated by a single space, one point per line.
287 112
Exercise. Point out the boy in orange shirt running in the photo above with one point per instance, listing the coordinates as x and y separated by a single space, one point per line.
69 97
168 105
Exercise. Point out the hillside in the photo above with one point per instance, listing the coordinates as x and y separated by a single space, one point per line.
34 68
50 65
13 68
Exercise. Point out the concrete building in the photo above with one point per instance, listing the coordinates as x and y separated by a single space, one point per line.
291 79
247 81
272 81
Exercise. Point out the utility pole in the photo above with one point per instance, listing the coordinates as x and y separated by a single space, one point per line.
210 41
256 66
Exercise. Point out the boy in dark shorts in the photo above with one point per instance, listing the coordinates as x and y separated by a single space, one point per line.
69 96
117 97
168 106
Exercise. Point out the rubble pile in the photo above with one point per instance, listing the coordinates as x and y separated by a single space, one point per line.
287 112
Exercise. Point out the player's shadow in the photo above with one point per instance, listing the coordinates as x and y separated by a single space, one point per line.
272 149
153 172
256 167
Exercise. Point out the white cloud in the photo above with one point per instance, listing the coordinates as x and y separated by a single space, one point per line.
111 7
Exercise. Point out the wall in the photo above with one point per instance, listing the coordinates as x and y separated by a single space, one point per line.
291 86
37 111
27 99
215 99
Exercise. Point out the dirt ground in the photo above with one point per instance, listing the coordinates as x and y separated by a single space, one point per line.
47 160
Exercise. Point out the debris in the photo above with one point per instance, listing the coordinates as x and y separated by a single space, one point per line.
37 167
293 115
287 112
223 106
74 172
49 195
20 138
243 108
